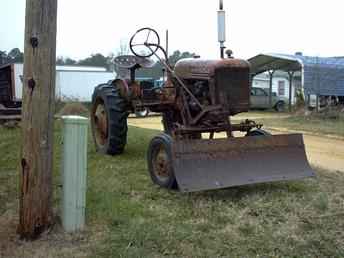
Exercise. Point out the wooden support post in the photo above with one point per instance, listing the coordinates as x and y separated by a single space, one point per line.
37 118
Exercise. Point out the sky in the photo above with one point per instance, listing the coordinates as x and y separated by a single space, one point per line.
266 26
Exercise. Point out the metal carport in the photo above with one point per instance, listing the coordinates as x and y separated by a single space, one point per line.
320 76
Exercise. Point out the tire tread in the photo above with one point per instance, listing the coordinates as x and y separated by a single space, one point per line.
116 108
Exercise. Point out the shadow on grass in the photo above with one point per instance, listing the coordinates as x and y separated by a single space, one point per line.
262 189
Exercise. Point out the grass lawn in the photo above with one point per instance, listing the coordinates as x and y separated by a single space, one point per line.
128 216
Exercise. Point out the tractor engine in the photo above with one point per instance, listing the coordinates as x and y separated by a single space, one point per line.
223 82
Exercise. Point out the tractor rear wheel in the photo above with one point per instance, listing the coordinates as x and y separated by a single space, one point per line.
109 120
159 160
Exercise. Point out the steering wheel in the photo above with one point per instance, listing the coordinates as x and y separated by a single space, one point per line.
145 42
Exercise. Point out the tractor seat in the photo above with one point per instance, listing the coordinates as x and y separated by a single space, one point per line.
130 61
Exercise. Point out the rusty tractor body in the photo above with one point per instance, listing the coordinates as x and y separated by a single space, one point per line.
196 102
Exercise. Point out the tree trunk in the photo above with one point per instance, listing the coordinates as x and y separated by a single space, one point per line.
37 118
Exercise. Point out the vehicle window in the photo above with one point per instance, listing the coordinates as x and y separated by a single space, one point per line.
253 92
260 92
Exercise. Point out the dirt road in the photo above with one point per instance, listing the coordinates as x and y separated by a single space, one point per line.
324 152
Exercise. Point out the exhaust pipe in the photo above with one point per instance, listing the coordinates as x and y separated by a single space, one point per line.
221 26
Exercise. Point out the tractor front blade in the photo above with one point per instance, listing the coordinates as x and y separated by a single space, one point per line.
212 164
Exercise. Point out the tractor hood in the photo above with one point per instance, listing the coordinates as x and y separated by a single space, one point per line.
195 68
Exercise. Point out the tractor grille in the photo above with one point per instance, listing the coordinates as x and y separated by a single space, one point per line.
234 84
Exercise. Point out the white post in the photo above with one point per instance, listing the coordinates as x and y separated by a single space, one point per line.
74 172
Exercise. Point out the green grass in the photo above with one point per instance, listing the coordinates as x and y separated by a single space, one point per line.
138 219
313 124
10 143
9 156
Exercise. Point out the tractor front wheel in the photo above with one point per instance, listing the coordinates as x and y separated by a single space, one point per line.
144 112
109 120
258 132
159 159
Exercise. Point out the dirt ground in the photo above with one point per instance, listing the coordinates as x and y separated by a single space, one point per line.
322 151
55 244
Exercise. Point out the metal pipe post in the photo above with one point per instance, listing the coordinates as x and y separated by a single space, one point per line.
291 76
271 74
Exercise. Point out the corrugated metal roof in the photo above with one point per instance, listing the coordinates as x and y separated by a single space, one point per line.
321 75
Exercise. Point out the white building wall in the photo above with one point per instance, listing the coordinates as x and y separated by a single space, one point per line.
18 85
260 83
74 85
71 82
265 84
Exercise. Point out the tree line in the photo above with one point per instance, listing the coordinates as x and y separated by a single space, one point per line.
16 56
13 56
98 59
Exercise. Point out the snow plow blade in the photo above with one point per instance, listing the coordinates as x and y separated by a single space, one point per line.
220 163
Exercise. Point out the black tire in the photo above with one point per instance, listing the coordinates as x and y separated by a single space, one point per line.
258 132
109 126
280 106
159 158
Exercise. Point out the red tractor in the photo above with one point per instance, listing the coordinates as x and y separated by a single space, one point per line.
196 101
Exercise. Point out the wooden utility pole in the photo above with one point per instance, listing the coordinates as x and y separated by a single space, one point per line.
37 118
